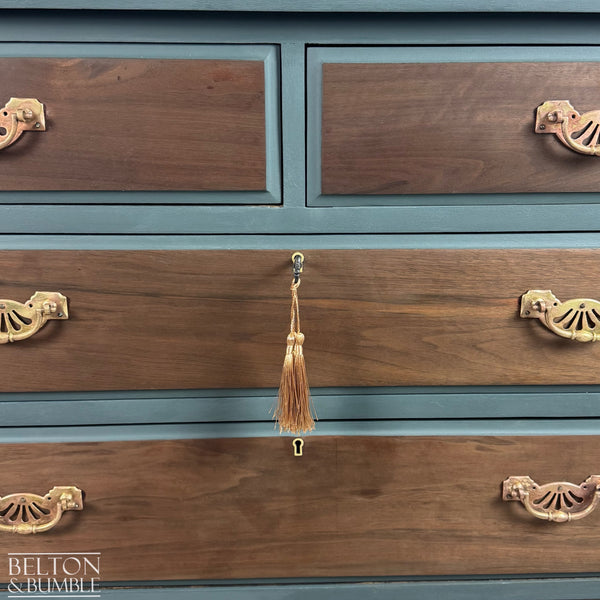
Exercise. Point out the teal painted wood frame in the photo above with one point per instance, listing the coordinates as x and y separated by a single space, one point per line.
267 54
248 412
55 213
299 242
385 428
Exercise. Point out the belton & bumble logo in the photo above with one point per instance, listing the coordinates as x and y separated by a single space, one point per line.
54 574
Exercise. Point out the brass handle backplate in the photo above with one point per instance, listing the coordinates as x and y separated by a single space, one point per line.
19 115
577 319
559 502
577 132
30 513
19 321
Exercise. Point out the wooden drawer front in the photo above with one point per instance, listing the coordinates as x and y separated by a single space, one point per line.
246 508
445 128
219 319
139 124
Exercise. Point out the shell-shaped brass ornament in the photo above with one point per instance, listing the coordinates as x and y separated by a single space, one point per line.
577 319
29 513
580 133
18 321
559 502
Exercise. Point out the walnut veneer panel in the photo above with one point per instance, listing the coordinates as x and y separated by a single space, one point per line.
214 319
366 506
129 124
433 128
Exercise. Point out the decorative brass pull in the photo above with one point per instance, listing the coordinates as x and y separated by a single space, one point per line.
559 502
30 513
20 321
19 115
578 132
574 319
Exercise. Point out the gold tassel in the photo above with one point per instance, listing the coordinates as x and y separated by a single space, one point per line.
285 407
294 409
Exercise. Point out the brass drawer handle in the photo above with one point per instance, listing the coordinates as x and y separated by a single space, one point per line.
577 319
20 321
30 513
19 115
559 502
575 131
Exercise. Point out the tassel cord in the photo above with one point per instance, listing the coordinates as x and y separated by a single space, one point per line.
295 311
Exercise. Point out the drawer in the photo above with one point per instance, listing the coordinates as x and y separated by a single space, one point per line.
181 118
389 122
219 318
351 506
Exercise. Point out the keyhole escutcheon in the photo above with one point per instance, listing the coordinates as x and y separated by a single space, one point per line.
298 443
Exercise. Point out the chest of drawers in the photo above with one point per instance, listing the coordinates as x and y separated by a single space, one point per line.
186 154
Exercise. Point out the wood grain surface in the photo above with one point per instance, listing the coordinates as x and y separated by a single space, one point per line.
366 506
219 319
129 124
432 128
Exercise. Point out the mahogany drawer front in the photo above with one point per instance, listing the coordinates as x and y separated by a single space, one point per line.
394 128
191 319
351 506
164 124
